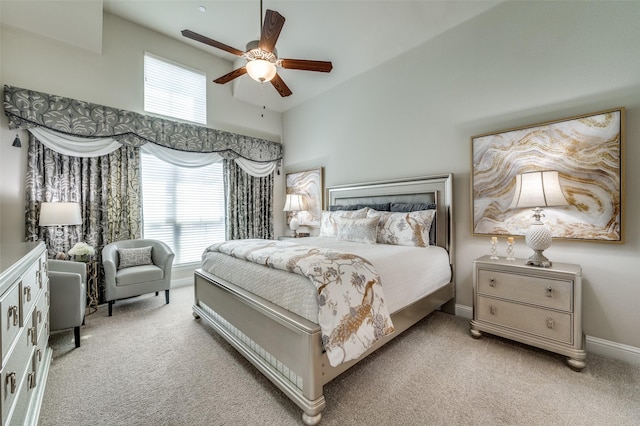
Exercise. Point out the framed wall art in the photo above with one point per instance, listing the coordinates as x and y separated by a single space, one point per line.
587 154
310 184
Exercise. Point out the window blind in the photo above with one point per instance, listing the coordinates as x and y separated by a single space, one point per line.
184 207
174 90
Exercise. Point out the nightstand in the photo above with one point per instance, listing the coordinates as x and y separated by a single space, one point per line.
541 307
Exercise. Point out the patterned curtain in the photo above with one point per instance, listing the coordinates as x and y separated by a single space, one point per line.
107 188
249 203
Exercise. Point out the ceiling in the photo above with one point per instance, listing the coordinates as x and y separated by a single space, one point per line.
355 35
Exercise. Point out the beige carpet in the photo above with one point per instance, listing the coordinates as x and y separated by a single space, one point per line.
154 364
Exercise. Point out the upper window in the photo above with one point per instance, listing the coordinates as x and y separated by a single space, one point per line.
174 90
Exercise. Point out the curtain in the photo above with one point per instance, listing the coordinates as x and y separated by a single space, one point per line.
249 203
107 188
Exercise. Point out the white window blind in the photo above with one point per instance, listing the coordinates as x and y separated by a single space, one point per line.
184 207
174 90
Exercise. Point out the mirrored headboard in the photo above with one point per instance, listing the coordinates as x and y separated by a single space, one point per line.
420 190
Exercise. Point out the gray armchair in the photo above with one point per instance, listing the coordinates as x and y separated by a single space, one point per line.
68 287
130 273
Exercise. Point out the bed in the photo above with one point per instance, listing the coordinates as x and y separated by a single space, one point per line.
286 346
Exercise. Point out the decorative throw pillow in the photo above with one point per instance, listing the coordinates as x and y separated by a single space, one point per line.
363 230
329 222
134 257
404 229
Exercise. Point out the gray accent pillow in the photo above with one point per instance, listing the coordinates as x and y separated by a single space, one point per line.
364 230
134 257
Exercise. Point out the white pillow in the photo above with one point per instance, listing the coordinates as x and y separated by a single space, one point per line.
329 222
363 230
404 229
134 257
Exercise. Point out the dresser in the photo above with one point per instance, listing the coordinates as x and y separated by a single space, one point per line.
24 331
538 306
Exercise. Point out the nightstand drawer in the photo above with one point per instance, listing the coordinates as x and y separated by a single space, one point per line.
537 321
545 292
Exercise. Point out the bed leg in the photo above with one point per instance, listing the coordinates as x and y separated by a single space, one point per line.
311 420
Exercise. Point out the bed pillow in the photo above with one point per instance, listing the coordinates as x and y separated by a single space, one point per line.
404 229
364 230
329 222
134 257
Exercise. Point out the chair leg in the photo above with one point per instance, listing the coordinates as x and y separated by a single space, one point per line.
76 333
110 307
166 296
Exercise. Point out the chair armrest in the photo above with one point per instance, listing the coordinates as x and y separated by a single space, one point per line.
68 266
68 299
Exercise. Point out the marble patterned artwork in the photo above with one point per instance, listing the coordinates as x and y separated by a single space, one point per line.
308 183
587 153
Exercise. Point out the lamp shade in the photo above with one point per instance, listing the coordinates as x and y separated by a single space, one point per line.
538 189
261 70
293 203
59 213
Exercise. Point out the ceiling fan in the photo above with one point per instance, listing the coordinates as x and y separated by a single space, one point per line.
261 55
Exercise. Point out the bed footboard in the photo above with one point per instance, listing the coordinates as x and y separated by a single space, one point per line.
286 348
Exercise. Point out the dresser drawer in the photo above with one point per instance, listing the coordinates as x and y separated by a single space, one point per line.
530 319
9 318
19 363
550 293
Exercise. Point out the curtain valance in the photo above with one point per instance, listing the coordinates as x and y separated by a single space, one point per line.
28 108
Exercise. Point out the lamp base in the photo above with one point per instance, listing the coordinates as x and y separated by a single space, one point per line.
539 259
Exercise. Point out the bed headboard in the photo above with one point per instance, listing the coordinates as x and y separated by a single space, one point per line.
428 189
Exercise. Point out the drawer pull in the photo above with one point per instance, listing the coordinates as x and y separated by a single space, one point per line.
39 314
549 291
39 352
32 380
549 322
13 310
492 282
27 293
493 310
33 334
11 379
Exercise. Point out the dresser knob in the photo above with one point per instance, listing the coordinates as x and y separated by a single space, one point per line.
492 282
549 322
27 293
492 310
13 312
11 380
549 291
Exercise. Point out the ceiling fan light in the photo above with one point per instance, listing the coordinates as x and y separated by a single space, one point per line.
261 70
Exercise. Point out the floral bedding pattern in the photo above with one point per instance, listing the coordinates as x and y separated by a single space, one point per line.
352 313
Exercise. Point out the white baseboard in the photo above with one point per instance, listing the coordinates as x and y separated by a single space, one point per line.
464 311
182 282
609 349
595 345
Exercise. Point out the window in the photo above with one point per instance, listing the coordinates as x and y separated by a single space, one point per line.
184 207
174 90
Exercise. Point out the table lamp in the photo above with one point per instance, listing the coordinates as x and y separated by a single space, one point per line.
294 203
59 214
538 189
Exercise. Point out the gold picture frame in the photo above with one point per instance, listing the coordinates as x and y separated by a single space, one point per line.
588 153
310 184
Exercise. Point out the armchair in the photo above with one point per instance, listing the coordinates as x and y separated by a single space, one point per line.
130 272
68 282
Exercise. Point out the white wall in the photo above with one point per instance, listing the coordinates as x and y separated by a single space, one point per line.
114 78
520 63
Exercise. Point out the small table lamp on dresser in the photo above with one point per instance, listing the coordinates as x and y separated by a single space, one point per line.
294 203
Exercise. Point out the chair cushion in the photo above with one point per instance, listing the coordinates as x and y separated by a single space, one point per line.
138 274
134 257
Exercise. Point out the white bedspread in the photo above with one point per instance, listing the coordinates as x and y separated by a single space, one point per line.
407 274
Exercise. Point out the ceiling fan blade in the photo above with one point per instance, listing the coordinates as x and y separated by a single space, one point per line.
282 88
230 76
211 42
305 65
273 23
